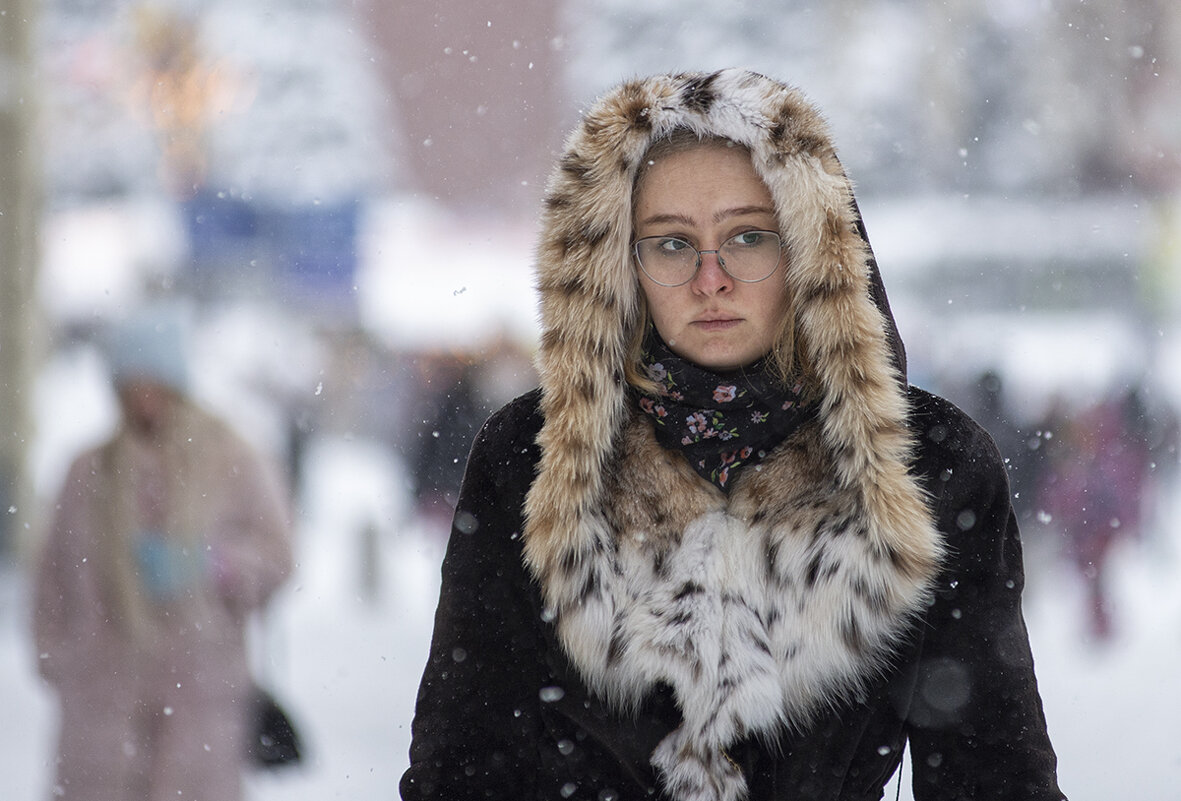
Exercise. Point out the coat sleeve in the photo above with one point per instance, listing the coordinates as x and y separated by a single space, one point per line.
976 725
64 581
476 722
252 545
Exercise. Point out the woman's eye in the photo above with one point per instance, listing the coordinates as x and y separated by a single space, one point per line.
749 238
671 246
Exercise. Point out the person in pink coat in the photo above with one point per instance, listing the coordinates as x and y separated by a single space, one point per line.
163 542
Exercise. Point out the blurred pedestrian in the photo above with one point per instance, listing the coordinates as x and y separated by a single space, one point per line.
463 390
452 413
724 551
1094 492
1018 448
164 540
1153 428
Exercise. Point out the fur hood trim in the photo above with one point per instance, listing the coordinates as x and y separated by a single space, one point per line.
807 579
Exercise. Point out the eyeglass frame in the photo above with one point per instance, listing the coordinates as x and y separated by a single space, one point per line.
716 251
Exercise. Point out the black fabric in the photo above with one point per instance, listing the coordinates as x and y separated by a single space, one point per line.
531 730
720 421
274 739
877 291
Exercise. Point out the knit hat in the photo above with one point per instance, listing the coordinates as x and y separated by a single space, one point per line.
151 345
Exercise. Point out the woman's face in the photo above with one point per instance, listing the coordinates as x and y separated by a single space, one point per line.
705 196
146 404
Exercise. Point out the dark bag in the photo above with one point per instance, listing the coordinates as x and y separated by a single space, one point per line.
274 740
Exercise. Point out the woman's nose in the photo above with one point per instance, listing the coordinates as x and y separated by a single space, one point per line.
711 278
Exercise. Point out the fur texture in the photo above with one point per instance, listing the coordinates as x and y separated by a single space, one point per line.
761 608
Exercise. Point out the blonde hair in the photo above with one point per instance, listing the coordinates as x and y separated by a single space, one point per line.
786 357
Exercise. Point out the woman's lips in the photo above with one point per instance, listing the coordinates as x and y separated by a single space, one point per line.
716 325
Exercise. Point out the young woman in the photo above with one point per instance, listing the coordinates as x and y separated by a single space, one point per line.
724 551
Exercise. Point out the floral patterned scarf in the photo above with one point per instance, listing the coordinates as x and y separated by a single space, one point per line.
720 421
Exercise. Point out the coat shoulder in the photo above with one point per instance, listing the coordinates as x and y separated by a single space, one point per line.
505 452
955 457
944 431
513 428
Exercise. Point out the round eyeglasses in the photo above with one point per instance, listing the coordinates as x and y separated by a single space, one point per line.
749 257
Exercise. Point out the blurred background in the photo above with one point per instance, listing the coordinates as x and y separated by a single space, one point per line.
344 193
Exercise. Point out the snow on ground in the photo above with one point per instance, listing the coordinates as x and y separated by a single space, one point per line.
347 661
1114 712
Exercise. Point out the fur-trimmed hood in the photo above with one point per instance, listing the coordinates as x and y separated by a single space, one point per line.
766 606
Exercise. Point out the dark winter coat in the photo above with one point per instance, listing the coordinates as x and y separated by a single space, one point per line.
612 626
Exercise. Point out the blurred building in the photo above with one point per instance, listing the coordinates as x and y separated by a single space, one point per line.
479 93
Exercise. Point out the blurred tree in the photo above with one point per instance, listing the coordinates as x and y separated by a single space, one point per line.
1057 97
228 93
1115 92
305 119
19 215
1125 61
178 89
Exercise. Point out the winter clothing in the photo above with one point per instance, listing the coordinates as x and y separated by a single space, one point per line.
719 422
159 550
613 625
151 346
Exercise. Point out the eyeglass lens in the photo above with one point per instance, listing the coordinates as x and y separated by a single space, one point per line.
749 257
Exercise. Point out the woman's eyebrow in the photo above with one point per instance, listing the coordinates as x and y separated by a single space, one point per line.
719 216
742 211
659 219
